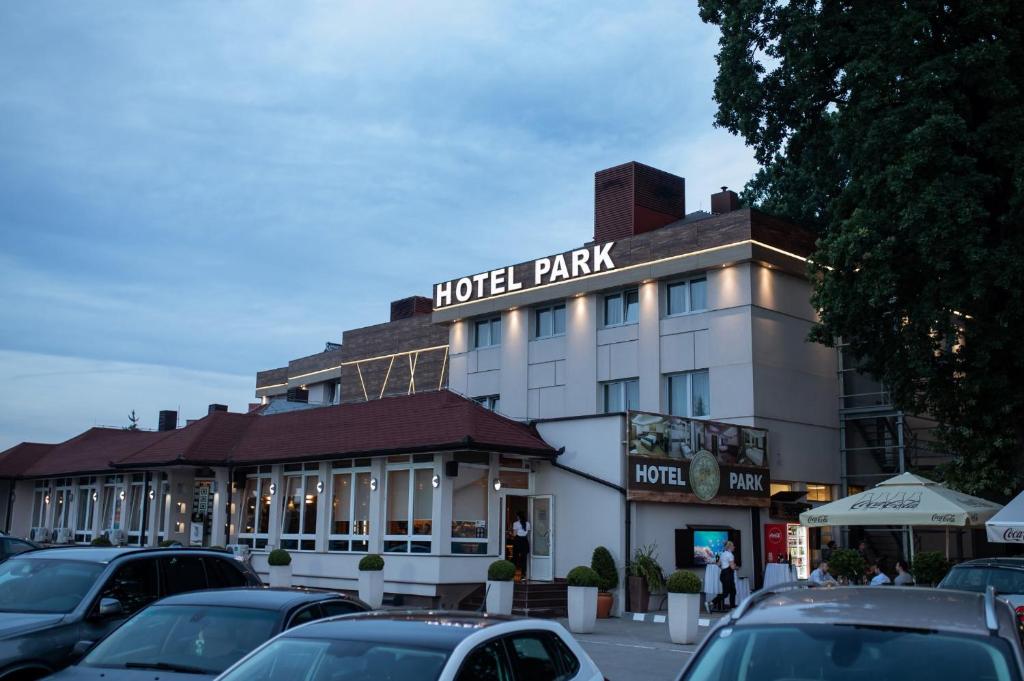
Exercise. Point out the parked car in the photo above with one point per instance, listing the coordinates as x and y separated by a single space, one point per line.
840 633
419 646
200 634
1006 575
12 546
51 599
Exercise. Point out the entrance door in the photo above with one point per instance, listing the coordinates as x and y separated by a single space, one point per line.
542 538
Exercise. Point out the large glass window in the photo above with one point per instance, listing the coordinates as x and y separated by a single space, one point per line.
549 321
164 507
39 504
135 497
350 506
469 509
487 332
620 395
88 493
689 394
687 296
113 503
63 498
622 308
409 503
254 524
298 522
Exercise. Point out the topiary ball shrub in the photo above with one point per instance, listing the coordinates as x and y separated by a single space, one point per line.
929 567
683 582
371 563
847 564
604 565
501 571
101 541
581 575
279 557
166 543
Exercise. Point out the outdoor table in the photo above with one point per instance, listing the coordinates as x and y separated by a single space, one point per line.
712 581
742 589
778 573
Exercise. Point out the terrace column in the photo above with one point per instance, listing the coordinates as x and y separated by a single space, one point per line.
220 500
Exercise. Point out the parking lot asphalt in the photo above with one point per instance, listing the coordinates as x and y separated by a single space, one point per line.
625 650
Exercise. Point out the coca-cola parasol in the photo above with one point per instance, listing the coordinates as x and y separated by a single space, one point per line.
1007 526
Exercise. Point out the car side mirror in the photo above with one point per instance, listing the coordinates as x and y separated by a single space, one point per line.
109 607
80 649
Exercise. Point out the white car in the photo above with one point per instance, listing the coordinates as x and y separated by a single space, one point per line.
419 645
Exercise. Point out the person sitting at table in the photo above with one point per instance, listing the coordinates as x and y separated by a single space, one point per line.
821 576
903 576
878 578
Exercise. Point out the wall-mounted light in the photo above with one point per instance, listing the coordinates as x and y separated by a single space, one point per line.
497 484
435 481
46 499
181 507
373 484
179 527
319 486
120 495
95 495
273 488
152 494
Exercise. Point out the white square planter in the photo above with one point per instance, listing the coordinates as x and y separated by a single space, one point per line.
499 597
371 587
281 576
683 610
582 609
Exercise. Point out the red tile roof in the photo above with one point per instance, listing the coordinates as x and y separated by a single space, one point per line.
92 451
206 441
15 460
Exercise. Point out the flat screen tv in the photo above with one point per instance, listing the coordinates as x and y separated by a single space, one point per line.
698 546
707 545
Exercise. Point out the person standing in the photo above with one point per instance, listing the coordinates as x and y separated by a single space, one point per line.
521 543
903 576
727 562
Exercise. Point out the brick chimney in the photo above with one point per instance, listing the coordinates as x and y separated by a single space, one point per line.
410 307
725 201
633 198
168 420
216 407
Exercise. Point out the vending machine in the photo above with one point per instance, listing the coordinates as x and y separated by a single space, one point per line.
799 550
776 543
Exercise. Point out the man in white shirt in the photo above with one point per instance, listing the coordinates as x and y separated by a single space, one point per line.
820 576
879 578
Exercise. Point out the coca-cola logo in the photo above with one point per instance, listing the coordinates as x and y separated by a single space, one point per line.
1013 534
892 501
948 518
817 520
774 535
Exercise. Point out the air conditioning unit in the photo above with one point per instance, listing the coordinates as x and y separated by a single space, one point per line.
240 551
117 536
40 535
63 535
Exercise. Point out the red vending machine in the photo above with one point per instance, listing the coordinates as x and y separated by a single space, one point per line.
776 542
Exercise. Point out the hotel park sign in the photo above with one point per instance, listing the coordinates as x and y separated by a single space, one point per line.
539 272
679 460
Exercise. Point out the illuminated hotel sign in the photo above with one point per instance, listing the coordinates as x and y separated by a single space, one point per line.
540 272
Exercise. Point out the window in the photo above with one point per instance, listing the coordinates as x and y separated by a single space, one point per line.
687 296
549 321
298 522
486 663
134 498
39 504
113 503
492 402
487 332
88 493
63 498
339 607
409 504
620 395
776 487
12 547
819 492
182 573
622 307
133 584
306 614
689 394
350 506
163 509
535 656
255 509
223 574
469 509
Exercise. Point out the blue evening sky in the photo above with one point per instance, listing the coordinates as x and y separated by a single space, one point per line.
193 191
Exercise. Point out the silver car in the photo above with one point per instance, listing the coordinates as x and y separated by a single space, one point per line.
1005 575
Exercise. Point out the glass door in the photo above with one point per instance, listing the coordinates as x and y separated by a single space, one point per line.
542 538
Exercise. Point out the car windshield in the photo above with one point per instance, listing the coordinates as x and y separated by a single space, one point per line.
1005 580
849 653
304 659
45 585
190 638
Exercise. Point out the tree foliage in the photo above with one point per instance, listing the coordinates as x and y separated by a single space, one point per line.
894 130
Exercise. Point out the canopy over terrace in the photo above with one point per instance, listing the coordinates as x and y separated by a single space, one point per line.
1007 526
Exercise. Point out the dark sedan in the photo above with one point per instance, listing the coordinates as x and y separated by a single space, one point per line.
200 634
12 546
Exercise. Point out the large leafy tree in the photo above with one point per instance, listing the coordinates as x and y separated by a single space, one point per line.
896 130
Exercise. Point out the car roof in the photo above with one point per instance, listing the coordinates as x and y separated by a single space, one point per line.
436 629
106 554
253 597
1007 562
884 606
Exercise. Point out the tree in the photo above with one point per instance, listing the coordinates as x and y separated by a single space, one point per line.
133 422
894 131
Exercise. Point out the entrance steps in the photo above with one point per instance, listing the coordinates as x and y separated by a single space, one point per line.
530 599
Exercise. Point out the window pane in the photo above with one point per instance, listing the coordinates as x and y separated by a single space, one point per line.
677 298
483 334
699 294
544 322
559 320
496 331
678 395
341 504
632 305
632 394
469 503
398 502
249 500
309 510
361 511
701 393
495 404
612 397
182 573
532 659
263 515
292 505
134 585
134 508
612 310
422 501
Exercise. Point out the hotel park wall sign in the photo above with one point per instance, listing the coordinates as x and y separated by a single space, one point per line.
542 271
672 459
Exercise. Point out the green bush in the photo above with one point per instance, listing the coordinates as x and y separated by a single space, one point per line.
847 563
279 557
604 565
645 564
169 542
501 571
929 567
581 575
371 563
101 540
683 582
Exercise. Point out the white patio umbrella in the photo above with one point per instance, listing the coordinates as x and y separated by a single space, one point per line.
1007 526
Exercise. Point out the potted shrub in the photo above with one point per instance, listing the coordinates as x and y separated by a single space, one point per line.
846 565
929 567
500 587
583 583
645 576
101 541
604 565
371 580
280 562
684 589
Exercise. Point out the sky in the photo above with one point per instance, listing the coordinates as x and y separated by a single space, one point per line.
191 192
